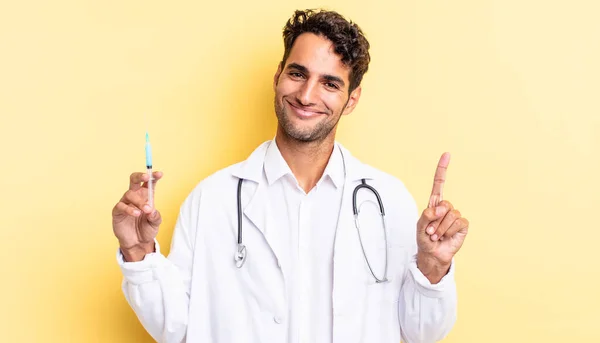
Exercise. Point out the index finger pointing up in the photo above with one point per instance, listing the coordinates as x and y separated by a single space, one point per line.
438 180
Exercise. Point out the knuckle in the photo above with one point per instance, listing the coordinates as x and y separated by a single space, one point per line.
446 204
120 208
455 214
130 195
456 225
137 177
429 213
426 213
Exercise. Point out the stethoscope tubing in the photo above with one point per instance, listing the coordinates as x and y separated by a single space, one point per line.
240 255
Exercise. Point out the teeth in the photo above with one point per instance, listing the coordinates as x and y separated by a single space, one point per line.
306 113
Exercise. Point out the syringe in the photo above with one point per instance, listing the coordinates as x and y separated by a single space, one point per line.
149 170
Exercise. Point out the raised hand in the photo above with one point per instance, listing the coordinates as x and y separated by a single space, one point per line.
135 223
441 230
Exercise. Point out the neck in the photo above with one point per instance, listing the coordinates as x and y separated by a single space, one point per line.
307 160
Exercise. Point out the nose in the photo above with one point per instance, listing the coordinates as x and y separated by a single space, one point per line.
308 93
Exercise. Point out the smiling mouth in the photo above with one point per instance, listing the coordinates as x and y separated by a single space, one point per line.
303 113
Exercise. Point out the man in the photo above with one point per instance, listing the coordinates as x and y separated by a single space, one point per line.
304 255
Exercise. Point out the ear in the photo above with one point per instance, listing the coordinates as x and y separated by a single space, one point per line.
276 77
352 100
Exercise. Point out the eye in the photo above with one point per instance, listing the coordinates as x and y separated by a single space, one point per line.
296 75
331 85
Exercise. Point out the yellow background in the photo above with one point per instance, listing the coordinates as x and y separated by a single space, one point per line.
510 88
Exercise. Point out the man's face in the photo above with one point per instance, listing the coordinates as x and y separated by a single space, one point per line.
311 91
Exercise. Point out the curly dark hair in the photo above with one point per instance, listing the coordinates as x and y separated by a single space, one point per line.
348 40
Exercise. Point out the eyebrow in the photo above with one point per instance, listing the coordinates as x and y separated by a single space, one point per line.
329 78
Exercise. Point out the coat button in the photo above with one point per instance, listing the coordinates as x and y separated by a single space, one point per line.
278 319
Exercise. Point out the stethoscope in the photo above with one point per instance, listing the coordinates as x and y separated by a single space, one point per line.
241 252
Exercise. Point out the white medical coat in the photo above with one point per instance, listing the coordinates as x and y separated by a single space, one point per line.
198 295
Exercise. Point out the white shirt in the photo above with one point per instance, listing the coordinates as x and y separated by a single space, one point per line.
307 223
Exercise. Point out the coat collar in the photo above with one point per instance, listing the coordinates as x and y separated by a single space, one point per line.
252 168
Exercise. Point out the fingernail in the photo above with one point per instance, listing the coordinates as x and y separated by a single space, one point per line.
147 208
136 212
430 230
434 237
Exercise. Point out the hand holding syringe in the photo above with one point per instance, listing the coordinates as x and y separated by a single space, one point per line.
135 220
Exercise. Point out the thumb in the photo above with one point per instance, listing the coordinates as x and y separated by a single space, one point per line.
431 216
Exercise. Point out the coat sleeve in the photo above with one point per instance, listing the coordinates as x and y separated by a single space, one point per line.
158 287
427 312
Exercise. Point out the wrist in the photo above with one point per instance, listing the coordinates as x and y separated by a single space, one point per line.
137 252
432 268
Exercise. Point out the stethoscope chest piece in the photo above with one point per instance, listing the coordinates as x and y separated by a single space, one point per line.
240 255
